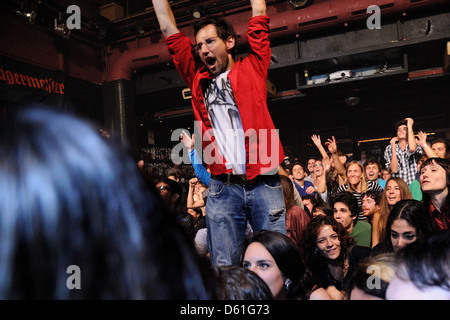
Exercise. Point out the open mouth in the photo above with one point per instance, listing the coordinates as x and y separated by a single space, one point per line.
210 61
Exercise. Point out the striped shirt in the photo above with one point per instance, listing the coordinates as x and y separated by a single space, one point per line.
371 185
407 162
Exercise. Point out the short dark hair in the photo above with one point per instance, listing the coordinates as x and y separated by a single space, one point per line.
298 163
174 187
400 123
324 207
444 141
371 193
372 161
349 200
223 27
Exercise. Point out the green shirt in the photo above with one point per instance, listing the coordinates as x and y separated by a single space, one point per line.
362 233
416 191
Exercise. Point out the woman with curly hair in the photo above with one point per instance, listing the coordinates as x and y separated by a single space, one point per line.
331 255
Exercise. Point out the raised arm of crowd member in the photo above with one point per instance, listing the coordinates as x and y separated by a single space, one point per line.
332 147
191 202
200 171
318 143
394 161
322 187
165 17
412 143
258 7
422 142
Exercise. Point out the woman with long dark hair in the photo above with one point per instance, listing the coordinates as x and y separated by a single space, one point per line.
276 259
435 183
407 222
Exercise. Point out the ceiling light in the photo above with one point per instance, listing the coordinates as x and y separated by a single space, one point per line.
352 101
299 3
198 12
30 15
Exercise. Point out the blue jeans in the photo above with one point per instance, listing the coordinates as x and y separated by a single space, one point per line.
228 208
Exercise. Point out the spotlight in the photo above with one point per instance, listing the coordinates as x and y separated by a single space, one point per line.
352 101
198 12
30 15
299 3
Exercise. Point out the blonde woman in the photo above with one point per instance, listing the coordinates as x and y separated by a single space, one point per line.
356 183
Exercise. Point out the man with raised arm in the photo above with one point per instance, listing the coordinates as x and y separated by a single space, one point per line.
402 153
240 143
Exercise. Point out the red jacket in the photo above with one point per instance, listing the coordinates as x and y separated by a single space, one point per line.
248 79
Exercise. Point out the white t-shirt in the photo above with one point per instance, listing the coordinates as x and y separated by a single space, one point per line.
226 122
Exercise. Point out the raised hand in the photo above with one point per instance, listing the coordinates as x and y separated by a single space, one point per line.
421 139
187 141
331 144
316 139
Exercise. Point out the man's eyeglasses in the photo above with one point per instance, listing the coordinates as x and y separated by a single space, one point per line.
208 42
161 188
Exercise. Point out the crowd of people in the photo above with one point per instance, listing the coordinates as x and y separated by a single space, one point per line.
69 196
342 219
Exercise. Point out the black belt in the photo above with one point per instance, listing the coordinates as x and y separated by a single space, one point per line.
242 178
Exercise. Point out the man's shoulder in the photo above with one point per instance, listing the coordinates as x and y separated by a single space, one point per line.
388 148
363 225
308 184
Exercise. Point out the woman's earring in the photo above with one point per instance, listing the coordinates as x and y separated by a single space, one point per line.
287 283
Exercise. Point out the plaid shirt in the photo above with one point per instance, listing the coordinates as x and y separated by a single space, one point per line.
407 162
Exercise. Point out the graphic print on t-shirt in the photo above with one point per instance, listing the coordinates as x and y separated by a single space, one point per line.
226 122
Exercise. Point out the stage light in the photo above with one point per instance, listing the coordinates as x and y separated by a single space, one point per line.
299 3
30 15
